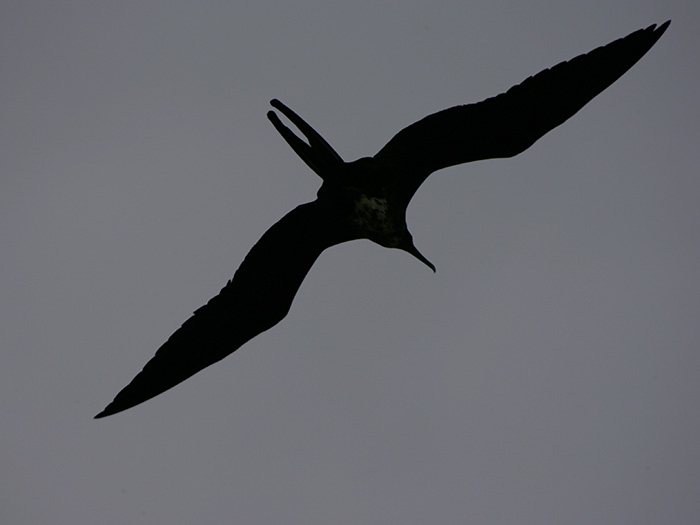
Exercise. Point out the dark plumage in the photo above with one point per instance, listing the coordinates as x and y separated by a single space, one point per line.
368 198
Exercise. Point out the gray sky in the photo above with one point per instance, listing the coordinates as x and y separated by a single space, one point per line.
548 373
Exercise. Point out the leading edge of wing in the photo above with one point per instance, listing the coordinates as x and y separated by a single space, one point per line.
509 123
257 298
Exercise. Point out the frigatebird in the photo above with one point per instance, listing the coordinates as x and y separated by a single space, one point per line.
367 199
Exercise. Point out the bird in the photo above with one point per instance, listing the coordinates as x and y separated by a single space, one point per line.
367 199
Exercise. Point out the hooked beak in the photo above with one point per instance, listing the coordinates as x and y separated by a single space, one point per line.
411 248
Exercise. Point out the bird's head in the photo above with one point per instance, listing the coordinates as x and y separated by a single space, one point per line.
381 220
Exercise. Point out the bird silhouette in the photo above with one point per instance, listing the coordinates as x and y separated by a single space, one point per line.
367 199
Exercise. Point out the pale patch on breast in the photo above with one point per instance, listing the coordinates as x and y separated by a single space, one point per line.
371 212
376 220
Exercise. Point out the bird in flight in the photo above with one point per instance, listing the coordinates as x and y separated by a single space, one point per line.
367 199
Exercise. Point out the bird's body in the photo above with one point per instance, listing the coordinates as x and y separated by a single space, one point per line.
368 198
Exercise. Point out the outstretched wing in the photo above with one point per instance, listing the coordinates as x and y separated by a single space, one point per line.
509 123
257 298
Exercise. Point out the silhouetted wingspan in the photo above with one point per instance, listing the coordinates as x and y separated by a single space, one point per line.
257 298
509 123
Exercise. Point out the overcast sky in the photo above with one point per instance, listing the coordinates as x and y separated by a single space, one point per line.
547 373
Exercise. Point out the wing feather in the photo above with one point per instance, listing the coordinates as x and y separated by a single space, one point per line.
258 297
507 124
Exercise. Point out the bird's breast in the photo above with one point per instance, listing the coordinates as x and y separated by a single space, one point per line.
374 217
370 211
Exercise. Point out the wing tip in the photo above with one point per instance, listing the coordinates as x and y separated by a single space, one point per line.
663 26
108 411
660 30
